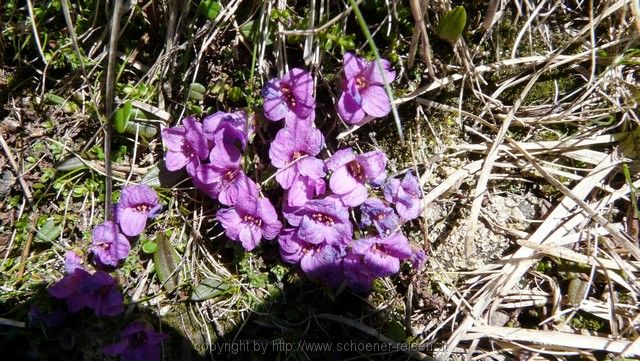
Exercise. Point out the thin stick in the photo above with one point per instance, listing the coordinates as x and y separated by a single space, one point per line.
72 32
115 27
32 20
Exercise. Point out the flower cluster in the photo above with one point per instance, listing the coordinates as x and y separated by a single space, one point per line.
99 290
211 151
320 193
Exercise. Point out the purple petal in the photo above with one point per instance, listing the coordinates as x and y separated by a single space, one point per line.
375 101
173 138
381 264
408 211
350 105
282 148
342 182
274 106
311 167
231 222
291 248
375 76
340 158
292 121
374 164
175 160
286 177
302 85
390 189
353 65
307 139
195 137
250 237
356 197
72 262
131 222
311 232
208 174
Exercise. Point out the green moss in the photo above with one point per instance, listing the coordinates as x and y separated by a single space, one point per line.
581 322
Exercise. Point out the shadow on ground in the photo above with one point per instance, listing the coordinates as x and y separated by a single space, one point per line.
302 323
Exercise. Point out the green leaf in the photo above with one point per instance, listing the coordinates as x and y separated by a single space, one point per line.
209 288
235 94
48 232
121 118
210 8
196 91
66 105
145 131
166 261
149 247
70 164
452 24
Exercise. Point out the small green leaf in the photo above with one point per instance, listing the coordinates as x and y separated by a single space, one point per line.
149 247
235 94
66 105
210 8
166 261
209 288
121 119
452 24
196 91
48 232
70 164
145 131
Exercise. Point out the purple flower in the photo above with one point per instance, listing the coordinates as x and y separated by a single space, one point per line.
225 174
186 145
227 127
139 342
375 212
363 97
72 262
320 261
405 195
109 246
290 98
72 289
293 152
137 203
102 294
350 172
97 291
249 221
381 255
323 220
